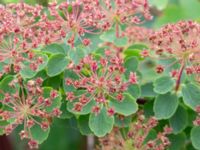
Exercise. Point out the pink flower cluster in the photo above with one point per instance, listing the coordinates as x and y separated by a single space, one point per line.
29 108
24 27
180 41
136 136
197 120
100 80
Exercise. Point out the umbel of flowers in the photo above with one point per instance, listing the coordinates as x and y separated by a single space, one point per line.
32 107
179 41
84 43
99 81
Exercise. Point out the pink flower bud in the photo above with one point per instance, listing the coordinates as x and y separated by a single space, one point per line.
33 144
133 78
111 111
44 125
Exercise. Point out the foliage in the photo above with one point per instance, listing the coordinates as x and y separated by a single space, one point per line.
94 63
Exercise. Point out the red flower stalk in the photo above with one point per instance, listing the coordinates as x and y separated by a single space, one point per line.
99 80
28 107
179 41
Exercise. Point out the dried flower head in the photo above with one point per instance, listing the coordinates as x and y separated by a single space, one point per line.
29 105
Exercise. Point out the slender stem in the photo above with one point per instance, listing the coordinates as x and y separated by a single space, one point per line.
117 30
178 81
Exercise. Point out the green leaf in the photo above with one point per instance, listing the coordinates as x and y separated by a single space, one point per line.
122 121
126 107
177 141
83 125
54 49
27 72
56 102
120 42
179 120
131 64
4 85
38 134
57 64
76 55
65 113
3 123
71 75
148 109
163 85
191 95
159 4
108 36
165 106
151 136
195 136
86 108
147 90
101 124
134 90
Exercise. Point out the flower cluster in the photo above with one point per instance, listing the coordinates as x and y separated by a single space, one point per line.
179 41
28 105
197 120
136 37
20 33
99 80
124 12
136 136
24 27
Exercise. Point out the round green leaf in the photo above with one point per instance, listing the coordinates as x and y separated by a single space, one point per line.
101 124
76 54
125 122
134 90
4 85
65 113
120 42
159 4
179 120
26 72
163 85
126 107
108 36
191 95
54 49
85 110
57 64
195 136
38 134
177 142
83 125
131 64
147 90
56 102
165 106
71 75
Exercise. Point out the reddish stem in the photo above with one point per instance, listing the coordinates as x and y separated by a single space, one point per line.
178 81
117 30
